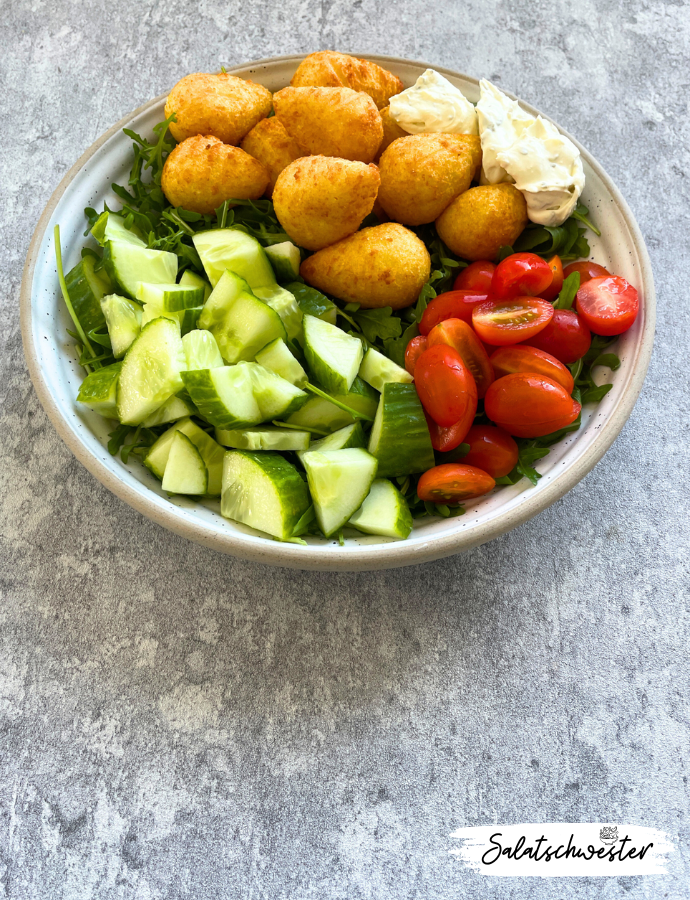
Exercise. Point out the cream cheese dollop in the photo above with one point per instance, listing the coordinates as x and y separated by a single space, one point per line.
435 105
530 152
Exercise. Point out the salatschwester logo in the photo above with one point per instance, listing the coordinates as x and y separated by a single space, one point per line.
557 849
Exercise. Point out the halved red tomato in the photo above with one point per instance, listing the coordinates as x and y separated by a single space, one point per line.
458 334
491 449
504 322
609 304
530 406
566 336
454 483
521 275
554 289
451 305
476 277
445 385
586 270
520 358
413 351
450 437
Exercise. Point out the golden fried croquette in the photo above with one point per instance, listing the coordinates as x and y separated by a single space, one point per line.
269 142
482 220
391 130
331 121
221 105
421 173
320 199
386 265
330 69
202 172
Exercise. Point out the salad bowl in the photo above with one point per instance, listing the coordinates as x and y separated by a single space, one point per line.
56 374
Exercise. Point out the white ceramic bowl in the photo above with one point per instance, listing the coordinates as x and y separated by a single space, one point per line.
56 375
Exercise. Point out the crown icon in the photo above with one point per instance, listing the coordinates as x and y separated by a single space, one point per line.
609 834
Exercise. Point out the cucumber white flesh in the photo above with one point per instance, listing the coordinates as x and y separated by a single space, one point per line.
263 491
284 303
173 409
333 356
399 437
111 227
326 416
313 302
240 322
361 397
185 472
98 390
170 297
129 264
224 396
228 248
211 452
384 512
277 357
339 480
123 318
186 318
191 279
342 439
85 286
277 398
285 260
151 371
377 370
263 438
201 350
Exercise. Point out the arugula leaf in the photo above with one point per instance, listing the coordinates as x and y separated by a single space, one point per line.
395 347
567 240
529 452
505 251
595 394
606 359
302 526
582 214
378 324
568 292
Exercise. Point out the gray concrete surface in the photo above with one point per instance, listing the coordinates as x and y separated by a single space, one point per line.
177 724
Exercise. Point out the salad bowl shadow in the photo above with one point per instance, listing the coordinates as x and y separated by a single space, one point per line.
56 374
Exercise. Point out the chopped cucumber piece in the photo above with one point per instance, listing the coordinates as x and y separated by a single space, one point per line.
263 491
129 264
263 438
111 227
185 472
98 390
277 357
191 279
86 284
186 318
228 248
399 437
211 452
326 416
277 398
333 356
377 370
285 260
384 512
123 318
343 439
173 409
170 297
201 350
150 372
224 396
313 302
339 480
240 322
284 303
361 397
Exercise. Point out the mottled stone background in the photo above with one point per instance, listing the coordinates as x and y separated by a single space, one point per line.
179 724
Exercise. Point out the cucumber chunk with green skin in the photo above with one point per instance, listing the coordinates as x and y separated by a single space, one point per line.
400 437
285 259
361 397
86 285
211 452
173 409
339 480
377 370
123 318
170 297
263 438
185 472
326 416
333 356
277 398
277 357
240 322
263 491
313 302
228 248
384 512
191 279
111 227
224 396
342 439
151 371
201 350
284 303
129 265
98 390
186 318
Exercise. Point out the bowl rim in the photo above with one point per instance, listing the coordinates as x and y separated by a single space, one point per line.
365 557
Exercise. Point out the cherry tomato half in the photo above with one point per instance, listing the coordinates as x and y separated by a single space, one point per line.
476 277
566 336
453 483
445 385
458 334
529 406
451 305
521 275
586 270
609 304
519 358
491 449
413 351
446 439
503 322
554 289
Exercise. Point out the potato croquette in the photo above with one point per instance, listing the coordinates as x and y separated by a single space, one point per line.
482 220
422 173
330 69
331 121
269 142
391 130
221 105
202 172
386 265
320 200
